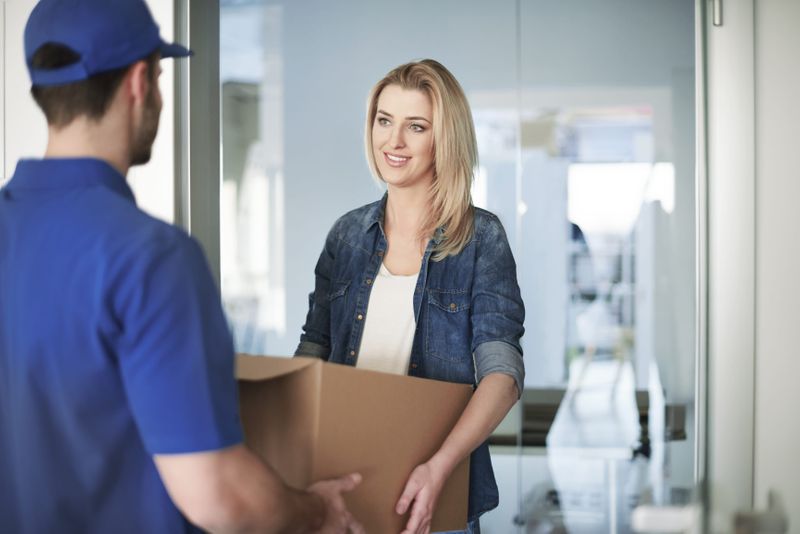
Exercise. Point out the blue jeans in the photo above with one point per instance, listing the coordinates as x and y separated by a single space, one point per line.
473 527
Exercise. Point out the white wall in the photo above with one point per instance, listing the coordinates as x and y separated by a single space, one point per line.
25 132
154 183
777 466
25 127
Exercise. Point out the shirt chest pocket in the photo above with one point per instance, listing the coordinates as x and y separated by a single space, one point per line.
337 304
338 289
337 300
448 330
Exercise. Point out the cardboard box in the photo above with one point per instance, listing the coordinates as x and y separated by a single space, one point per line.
312 420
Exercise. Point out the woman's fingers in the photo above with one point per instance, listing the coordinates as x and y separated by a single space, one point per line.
409 493
420 514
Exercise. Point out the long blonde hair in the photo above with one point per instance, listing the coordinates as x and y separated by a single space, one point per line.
454 146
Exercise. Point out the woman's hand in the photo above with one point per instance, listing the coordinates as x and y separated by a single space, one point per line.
421 494
492 400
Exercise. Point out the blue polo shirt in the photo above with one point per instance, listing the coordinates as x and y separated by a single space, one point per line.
113 347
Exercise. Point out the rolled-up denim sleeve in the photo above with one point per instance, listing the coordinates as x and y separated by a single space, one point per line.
309 348
498 313
499 357
316 337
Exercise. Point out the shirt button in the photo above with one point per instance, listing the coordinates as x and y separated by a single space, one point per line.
352 353
368 281
452 306
360 317
413 365
380 253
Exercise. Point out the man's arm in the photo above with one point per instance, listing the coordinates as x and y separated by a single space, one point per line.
232 490
176 361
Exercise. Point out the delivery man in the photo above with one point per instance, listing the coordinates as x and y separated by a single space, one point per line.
118 404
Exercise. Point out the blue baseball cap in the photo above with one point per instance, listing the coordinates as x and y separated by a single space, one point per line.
106 34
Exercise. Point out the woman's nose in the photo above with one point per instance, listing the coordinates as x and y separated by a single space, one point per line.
396 139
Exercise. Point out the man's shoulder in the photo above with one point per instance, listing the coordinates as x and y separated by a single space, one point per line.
124 229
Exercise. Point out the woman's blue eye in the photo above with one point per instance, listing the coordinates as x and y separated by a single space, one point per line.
417 128
383 121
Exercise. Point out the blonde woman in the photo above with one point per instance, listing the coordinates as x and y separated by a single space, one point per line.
423 283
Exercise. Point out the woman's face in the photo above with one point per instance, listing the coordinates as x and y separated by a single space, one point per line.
402 137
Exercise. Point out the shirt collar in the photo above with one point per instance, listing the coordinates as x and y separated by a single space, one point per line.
67 173
375 215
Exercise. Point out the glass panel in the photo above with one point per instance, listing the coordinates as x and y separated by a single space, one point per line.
585 116
292 115
607 107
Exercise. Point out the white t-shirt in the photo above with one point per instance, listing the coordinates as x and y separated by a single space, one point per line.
390 324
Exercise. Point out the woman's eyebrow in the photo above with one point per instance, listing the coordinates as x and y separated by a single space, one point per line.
407 118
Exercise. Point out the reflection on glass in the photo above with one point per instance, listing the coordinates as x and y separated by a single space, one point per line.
584 113
252 196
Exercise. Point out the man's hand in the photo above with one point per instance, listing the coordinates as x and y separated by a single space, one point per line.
423 488
337 519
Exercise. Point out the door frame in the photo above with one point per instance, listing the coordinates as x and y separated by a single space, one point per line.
197 127
729 259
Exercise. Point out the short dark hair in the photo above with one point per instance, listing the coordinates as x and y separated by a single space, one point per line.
62 104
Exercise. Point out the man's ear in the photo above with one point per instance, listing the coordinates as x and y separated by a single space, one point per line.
138 82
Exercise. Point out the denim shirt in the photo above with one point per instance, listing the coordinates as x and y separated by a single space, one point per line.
468 310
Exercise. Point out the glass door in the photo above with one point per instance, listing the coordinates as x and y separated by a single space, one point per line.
586 115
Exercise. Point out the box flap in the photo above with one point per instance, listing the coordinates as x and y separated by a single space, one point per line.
279 418
267 367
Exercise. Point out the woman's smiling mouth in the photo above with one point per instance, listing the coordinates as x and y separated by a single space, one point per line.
394 160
